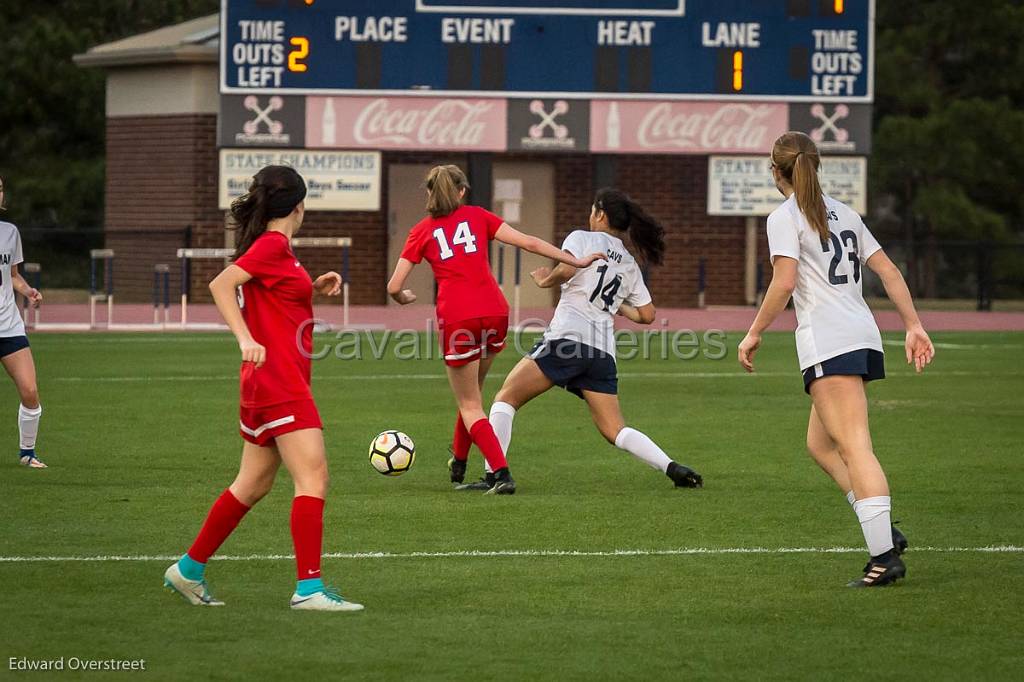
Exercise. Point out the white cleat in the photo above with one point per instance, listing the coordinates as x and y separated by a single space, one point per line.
325 600
195 592
32 462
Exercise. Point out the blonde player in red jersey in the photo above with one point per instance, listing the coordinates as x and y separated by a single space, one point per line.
817 247
265 297
472 313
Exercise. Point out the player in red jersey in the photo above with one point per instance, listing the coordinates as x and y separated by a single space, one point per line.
472 313
266 298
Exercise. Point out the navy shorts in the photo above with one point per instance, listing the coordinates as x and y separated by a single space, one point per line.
867 363
576 367
12 344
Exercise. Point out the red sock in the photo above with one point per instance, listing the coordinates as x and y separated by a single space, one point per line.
223 518
483 436
462 440
307 534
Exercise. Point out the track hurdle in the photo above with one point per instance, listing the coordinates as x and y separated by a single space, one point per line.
161 282
517 267
343 243
186 256
702 282
33 275
107 256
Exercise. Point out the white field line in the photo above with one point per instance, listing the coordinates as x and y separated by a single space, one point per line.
442 377
525 553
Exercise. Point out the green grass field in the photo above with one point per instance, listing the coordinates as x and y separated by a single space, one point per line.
140 432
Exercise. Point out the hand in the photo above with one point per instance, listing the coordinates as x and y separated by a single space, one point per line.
748 347
328 284
405 297
34 297
540 274
587 260
920 350
253 352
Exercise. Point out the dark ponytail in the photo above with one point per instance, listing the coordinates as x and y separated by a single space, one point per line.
274 193
645 232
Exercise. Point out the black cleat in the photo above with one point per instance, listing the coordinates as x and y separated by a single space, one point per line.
882 571
684 476
503 484
899 540
457 470
485 483
899 543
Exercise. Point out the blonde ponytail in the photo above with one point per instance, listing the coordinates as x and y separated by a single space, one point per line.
445 185
796 157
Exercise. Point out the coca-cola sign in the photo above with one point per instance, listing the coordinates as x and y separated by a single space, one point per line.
685 127
406 123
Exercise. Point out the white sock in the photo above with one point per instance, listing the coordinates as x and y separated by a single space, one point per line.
851 498
28 425
874 514
643 448
501 417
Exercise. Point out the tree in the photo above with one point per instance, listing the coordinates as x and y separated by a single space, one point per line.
949 129
52 119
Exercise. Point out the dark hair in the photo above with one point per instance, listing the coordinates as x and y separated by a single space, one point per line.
274 193
796 157
623 213
444 185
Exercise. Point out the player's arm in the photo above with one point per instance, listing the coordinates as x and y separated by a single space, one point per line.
920 350
24 288
513 237
640 314
546 278
224 288
397 282
775 299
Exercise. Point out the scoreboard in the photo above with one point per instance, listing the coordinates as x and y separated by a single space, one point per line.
792 50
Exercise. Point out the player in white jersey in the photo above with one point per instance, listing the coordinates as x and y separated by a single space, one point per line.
577 351
818 247
14 351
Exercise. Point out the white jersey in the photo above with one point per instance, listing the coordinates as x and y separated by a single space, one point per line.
832 317
10 255
586 310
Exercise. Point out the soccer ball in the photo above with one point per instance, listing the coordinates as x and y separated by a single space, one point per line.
392 453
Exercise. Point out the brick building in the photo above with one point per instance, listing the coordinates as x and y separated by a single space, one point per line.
162 185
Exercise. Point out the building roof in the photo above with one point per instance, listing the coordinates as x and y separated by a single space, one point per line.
195 41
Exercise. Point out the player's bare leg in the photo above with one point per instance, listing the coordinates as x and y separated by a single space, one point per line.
22 369
841 404
465 384
305 457
825 452
607 416
463 440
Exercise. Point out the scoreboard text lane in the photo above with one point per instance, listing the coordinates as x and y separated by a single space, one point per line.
788 49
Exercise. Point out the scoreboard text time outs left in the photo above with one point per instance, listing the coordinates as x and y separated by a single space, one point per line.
812 50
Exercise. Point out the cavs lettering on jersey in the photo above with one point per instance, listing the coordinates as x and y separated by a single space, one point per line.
10 255
590 299
832 317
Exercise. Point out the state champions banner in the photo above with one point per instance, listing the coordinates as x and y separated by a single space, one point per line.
335 180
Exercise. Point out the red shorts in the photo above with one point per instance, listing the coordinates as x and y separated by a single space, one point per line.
260 425
469 340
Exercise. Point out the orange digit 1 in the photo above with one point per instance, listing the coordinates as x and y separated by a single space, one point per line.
737 70
300 52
